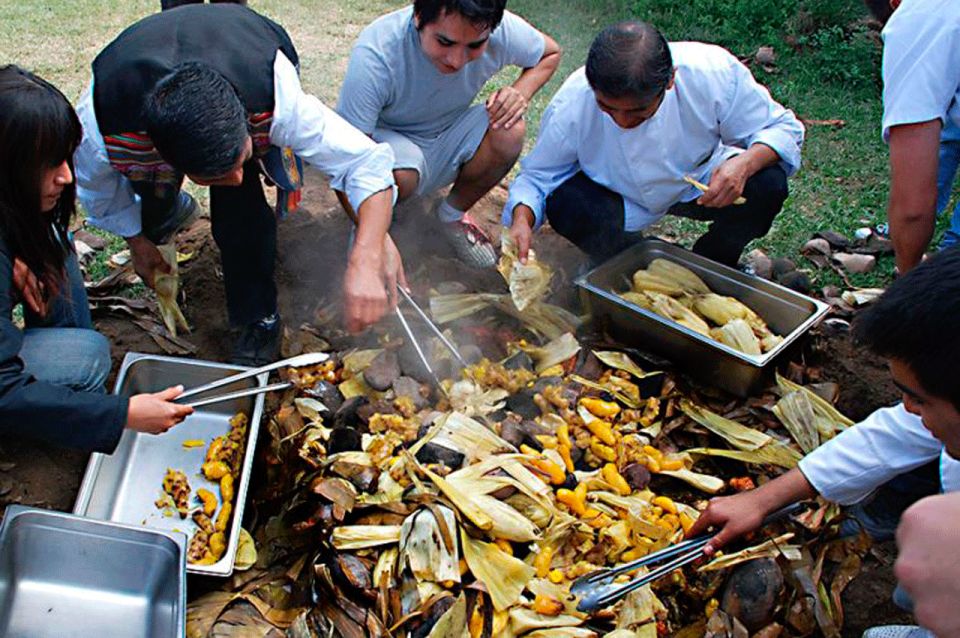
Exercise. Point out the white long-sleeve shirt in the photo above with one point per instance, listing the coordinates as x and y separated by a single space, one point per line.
714 111
354 163
889 442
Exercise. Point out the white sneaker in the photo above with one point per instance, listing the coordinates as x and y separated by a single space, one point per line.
471 244
897 631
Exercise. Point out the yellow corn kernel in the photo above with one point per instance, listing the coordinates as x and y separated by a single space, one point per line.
526 449
555 576
215 470
504 545
651 451
226 488
223 518
600 408
665 503
686 522
597 519
218 544
581 492
603 431
711 607
541 562
547 441
671 519
653 465
564 451
191 443
603 452
547 605
556 473
563 435
671 465
209 501
612 476
665 525
569 498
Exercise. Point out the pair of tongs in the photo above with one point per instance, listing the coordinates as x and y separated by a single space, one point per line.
300 361
434 329
597 589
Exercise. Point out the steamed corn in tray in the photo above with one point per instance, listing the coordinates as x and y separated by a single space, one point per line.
676 293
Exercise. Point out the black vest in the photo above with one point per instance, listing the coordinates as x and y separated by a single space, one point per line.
233 40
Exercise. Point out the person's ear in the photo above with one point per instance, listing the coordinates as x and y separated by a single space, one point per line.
673 74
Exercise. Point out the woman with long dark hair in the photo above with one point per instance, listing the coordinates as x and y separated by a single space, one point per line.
52 373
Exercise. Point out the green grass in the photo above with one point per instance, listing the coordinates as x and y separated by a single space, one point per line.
828 61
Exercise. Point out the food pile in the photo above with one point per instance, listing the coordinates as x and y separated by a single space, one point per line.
676 293
222 466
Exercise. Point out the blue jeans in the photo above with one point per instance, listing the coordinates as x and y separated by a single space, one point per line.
63 348
947 171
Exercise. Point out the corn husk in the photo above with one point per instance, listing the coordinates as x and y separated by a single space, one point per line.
469 398
363 536
622 361
684 277
429 547
645 281
795 411
862 296
167 285
737 334
386 566
527 282
453 623
508 523
246 552
542 319
640 607
523 620
463 501
504 576
722 310
671 309
822 408
459 432
359 360
562 632
555 352
739 436
703 482
638 299
769 549
775 453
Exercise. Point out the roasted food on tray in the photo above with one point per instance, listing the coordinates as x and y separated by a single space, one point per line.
676 293
176 493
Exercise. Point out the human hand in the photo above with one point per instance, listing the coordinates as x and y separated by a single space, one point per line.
521 231
506 107
30 288
393 273
734 516
366 299
147 260
156 413
928 566
726 183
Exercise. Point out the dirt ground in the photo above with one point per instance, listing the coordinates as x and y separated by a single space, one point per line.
312 251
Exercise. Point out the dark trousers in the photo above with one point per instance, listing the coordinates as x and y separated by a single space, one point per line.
245 229
591 216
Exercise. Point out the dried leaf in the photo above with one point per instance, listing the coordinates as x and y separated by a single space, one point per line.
423 549
555 352
463 501
527 282
246 552
821 406
362 536
771 454
622 361
768 549
737 435
504 576
795 411
453 623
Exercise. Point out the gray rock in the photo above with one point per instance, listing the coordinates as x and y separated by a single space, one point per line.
519 361
836 239
522 404
765 56
471 353
758 262
796 280
781 266
856 263
751 592
382 371
410 387
817 246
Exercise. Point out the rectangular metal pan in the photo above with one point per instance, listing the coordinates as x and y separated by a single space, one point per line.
66 576
788 313
123 486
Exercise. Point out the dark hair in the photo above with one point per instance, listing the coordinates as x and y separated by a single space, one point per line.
197 121
879 9
916 322
39 130
482 13
629 59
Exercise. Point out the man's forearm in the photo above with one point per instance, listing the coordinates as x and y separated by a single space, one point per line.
911 211
532 80
758 157
373 223
785 490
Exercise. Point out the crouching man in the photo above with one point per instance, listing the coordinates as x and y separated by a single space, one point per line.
906 326
622 133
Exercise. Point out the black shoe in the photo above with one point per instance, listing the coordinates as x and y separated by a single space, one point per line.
258 343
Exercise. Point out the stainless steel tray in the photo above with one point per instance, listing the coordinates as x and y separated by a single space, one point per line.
69 577
123 486
787 312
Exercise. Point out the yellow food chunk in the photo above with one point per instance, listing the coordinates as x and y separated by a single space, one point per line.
192 443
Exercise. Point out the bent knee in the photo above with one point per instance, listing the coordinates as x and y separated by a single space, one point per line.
407 180
98 354
770 184
507 143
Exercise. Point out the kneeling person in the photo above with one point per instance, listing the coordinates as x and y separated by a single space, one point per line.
621 134
412 78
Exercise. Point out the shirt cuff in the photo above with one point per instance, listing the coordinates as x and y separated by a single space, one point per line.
785 146
374 175
125 222
529 196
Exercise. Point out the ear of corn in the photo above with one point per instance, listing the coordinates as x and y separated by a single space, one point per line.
645 281
680 275
738 335
719 309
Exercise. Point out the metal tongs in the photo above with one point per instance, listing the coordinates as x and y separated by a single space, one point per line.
597 589
434 329
300 361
